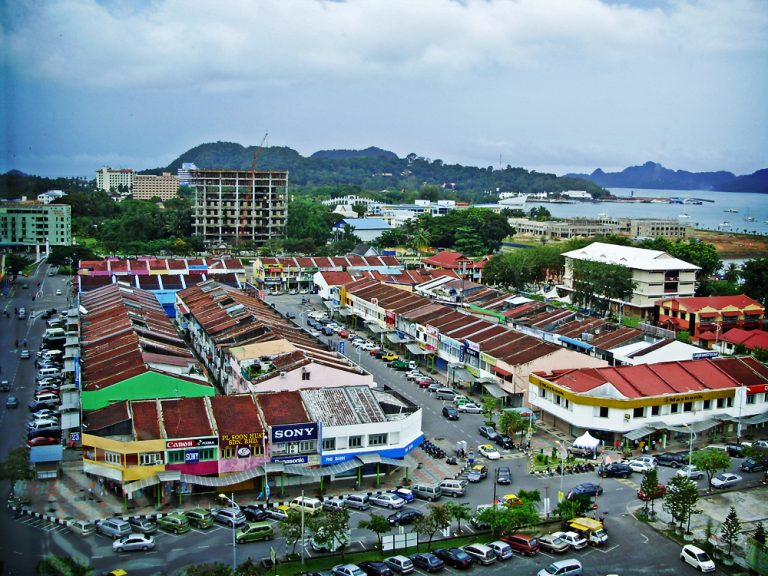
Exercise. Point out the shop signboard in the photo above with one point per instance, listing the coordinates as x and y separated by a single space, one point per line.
290 459
191 443
284 433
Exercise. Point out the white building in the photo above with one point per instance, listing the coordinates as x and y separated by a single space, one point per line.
108 179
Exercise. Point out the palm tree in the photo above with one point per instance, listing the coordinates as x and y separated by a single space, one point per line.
732 273
420 238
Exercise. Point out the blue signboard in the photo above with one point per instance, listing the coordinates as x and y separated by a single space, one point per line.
294 432
341 347
191 457
337 458
291 459
74 436
700 355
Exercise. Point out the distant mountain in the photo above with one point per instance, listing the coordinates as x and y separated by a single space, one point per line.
370 152
654 175
377 169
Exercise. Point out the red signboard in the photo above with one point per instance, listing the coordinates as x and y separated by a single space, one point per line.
757 389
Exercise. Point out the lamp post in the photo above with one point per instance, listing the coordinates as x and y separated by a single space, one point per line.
690 447
563 453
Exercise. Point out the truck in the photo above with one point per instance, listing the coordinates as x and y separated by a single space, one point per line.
591 529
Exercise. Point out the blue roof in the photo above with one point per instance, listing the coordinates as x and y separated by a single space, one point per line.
364 223
39 454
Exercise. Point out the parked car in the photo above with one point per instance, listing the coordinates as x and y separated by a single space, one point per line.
400 564
254 513
470 408
488 432
725 480
82 527
735 449
522 543
574 540
641 466
113 527
253 531
481 553
389 357
504 441
11 402
690 471
387 500
406 494
199 518
228 516
278 512
752 465
427 561
372 568
509 500
502 549
553 543
477 473
450 413
425 382
176 523
503 475
760 444
489 451
143 525
347 570
455 557
134 542
404 516
696 557
659 492
615 470
334 504
671 459
585 489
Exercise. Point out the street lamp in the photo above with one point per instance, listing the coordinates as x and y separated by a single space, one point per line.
690 447
563 453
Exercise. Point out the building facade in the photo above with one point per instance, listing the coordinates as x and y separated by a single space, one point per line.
715 314
35 224
148 186
239 205
108 179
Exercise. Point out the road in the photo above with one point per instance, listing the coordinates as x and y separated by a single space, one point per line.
633 548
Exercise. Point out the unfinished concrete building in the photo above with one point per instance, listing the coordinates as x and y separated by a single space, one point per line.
233 206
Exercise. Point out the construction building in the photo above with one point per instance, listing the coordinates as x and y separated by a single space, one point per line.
239 205
35 224
148 186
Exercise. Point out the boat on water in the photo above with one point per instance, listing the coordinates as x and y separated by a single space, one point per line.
683 216
512 200
731 210
724 224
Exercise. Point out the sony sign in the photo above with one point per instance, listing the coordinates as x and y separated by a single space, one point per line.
294 432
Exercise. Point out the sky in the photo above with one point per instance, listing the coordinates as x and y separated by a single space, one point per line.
548 85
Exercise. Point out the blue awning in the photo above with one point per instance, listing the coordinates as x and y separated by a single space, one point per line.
577 343
38 454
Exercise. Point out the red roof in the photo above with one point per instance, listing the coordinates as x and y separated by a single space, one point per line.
447 259
337 278
146 422
695 304
236 414
185 418
750 338
282 408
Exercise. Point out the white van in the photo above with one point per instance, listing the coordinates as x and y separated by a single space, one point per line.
48 373
453 488
358 501
427 492
568 567
310 505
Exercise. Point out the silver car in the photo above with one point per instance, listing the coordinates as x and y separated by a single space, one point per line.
229 516
387 500
134 542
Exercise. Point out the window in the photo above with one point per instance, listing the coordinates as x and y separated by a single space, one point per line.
729 402
688 407
150 458
305 375
176 457
603 412
638 412
655 410
329 444
355 441
228 452
207 454
377 439
308 446
707 404
721 402
751 398
112 458
674 408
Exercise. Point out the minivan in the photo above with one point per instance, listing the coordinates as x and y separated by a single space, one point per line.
453 488
176 523
47 398
310 505
570 567
502 549
400 564
445 394
113 527
358 501
254 531
427 492
522 543
48 373
481 553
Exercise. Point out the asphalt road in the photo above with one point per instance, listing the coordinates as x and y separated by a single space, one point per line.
633 548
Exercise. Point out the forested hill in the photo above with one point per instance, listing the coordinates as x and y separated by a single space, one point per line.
654 175
377 169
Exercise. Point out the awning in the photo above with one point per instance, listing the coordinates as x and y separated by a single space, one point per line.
395 462
416 350
697 427
394 338
464 375
577 343
375 328
319 472
501 371
345 312
105 471
756 419
275 467
169 475
226 480
370 458
140 484
638 433
495 390
330 305
731 313
707 314
38 454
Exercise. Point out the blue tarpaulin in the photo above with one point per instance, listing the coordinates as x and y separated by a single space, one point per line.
38 454
577 343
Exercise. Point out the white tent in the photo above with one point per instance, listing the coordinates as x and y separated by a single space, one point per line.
586 441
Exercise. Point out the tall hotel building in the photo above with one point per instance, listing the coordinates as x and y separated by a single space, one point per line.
239 205
146 187
108 179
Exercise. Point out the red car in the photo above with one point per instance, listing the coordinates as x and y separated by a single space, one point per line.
660 491
343 333
375 351
43 441
424 382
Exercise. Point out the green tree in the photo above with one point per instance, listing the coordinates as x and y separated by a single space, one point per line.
702 254
755 275
759 534
459 511
569 508
438 518
330 529
683 336
711 462
511 422
730 529
391 238
420 239
489 408
62 566
15 264
732 273
760 354
649 485
540 214
290 529
360 209
377 524
467 242
16 466
215 569
595 284
681 499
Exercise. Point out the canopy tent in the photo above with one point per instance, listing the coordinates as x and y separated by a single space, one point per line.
587 442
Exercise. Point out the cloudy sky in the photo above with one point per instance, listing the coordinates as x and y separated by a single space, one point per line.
555 85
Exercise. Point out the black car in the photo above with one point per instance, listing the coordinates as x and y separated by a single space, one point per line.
615 470
427 561
372 568
672 459
254 513
488 432
290 315
585 489
752 465
504 441
503 475
450 412
455 557
404 516
735 450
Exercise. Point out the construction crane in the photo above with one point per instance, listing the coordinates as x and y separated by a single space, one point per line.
249 198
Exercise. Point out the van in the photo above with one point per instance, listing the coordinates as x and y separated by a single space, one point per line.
52 354
358 501
400 564
445 394
43 424
113 527
427 492
310 505
199 517
48 373
52 333
47 398
522 543
481 553
176 523
502 549
570 567
254 531
591 529
453 488
697 558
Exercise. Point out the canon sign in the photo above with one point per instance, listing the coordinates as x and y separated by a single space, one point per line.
294 432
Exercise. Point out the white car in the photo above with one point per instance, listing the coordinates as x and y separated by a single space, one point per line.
725 480
387 500
640 466
489 451
134 542
690 471
574 540
347 570
470 408
697 558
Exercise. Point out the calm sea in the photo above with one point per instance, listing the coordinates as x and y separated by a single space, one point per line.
751 214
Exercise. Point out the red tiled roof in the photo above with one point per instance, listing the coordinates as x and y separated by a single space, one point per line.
111 415
695 304
337 278
236 414
750 338
445 259
282 408
146 421
185 418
